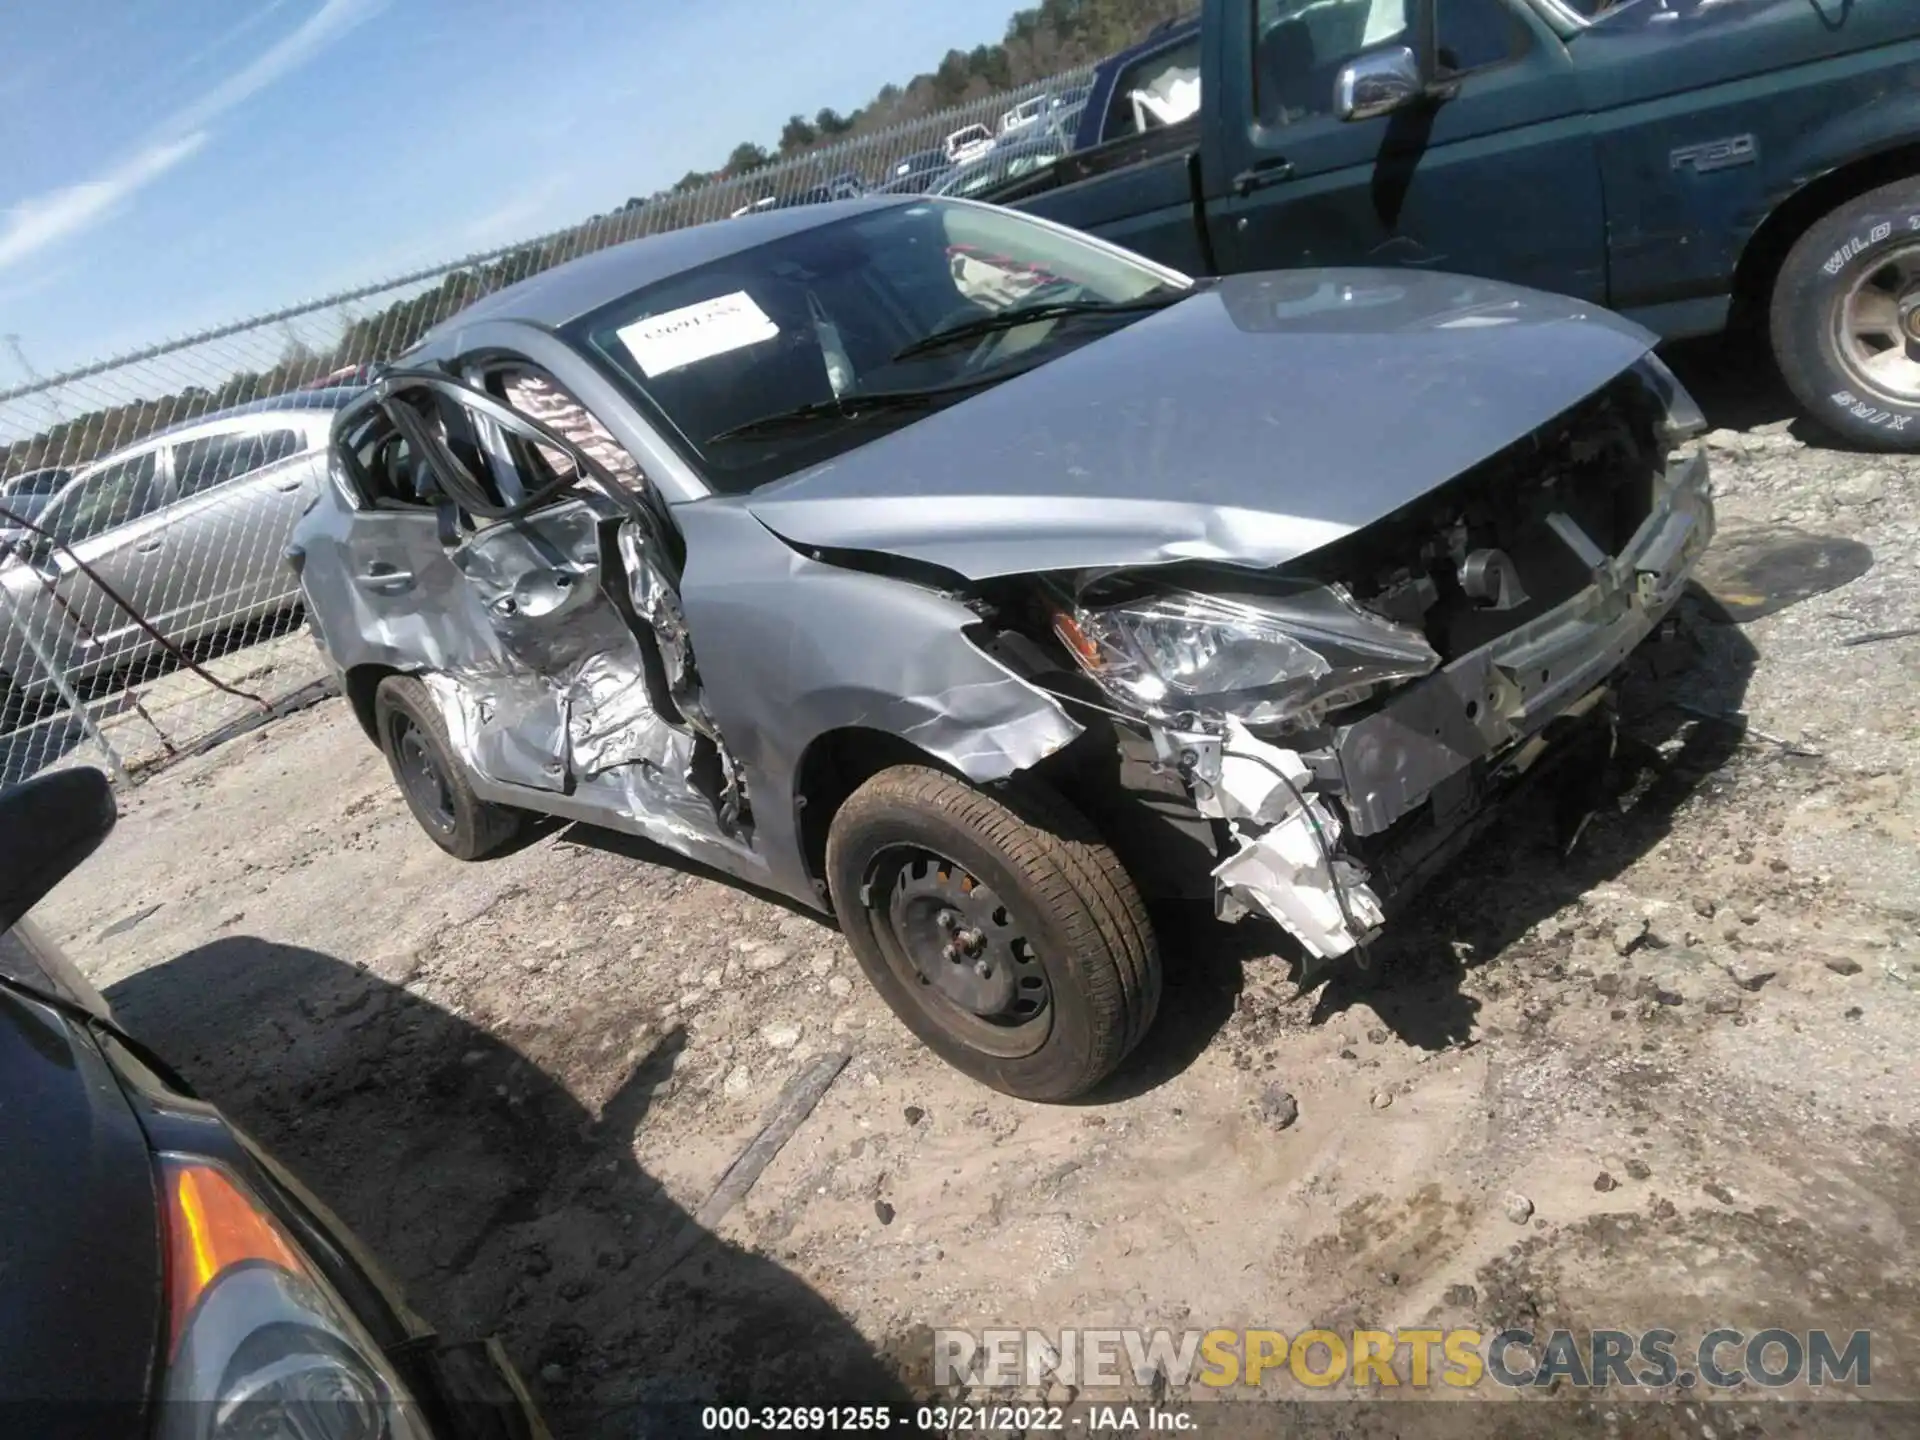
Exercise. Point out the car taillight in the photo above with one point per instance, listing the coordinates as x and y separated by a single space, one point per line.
259 1347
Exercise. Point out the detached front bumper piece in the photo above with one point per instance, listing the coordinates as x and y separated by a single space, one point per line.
1289 810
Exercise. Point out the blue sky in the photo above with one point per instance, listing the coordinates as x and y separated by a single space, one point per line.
170 164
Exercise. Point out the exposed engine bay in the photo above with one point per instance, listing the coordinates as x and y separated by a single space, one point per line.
1343 720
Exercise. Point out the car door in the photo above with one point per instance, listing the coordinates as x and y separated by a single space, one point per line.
1495 174
572 671
240 491
111 529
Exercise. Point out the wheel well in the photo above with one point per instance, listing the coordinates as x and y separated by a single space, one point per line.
835 765
360 683
1767 251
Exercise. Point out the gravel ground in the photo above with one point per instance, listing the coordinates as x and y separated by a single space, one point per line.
1688 1049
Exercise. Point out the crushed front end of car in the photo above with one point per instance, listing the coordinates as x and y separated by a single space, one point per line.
1346 722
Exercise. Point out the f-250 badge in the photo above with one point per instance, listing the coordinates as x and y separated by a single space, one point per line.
1717 154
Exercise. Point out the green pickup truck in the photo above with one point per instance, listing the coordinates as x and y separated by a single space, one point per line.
1694 164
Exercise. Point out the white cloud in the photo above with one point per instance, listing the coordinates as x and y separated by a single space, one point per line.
34 224
320 29
42 220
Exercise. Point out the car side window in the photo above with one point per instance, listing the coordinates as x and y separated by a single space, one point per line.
382 466
199 465
113 496
1154 91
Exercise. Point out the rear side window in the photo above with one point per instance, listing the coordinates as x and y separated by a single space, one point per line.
199 465
383 468
1155 91
114 496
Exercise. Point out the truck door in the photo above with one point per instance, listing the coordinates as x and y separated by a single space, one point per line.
1494 175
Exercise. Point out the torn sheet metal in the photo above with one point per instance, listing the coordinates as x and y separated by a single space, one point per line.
1288 864
1497 696
512 733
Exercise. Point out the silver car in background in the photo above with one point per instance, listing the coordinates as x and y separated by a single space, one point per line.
187 527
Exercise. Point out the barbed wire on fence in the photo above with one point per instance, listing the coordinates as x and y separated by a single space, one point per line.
158 508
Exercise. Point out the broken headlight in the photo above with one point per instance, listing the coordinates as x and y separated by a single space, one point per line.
1263 660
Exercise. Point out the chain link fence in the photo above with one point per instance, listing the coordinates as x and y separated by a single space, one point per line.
146 502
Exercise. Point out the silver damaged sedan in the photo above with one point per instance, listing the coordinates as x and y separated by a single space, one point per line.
971 579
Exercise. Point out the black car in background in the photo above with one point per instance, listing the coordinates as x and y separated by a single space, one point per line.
163 1276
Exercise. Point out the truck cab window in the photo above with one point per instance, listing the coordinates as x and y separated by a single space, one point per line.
1300 46
1154 91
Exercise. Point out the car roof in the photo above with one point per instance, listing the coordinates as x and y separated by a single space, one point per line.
563 294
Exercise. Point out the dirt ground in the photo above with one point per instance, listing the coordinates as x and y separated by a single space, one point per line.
1690 1047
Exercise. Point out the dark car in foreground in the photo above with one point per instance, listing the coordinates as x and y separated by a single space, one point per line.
973 579
163 1276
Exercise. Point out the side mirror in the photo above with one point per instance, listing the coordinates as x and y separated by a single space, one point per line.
1378 83
47 827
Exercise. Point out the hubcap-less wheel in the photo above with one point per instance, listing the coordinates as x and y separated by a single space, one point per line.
954 942
420 774
1879 339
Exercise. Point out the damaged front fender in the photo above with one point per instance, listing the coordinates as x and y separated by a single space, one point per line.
793 649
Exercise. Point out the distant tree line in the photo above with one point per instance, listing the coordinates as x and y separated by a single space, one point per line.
1051 37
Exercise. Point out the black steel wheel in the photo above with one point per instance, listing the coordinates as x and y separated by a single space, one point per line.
998 926
431 775
949 933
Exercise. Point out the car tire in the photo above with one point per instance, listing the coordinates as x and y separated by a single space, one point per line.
432 777
1846 300
998 926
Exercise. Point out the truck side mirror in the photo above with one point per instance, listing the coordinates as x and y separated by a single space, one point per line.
1378 83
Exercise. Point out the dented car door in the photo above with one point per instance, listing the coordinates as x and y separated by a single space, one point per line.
583 683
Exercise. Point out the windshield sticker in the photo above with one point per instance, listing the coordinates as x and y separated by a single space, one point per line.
697 332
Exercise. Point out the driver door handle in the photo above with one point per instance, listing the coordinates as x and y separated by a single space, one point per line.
149 547
1261 174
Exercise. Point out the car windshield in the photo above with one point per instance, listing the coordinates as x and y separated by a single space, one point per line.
824 317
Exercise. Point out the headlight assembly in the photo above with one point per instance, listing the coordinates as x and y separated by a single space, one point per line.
259 1344
1263 660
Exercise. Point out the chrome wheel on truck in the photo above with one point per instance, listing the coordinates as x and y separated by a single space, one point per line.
1846 319
1879 325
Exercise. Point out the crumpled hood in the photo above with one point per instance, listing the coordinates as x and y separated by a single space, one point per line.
1262 418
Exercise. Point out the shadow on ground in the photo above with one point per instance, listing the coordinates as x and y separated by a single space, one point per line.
499 1202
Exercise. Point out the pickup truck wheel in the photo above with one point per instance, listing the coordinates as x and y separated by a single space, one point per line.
999 928
1846 319
431 775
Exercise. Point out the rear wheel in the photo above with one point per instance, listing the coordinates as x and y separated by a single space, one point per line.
431 775
1846 319
998 927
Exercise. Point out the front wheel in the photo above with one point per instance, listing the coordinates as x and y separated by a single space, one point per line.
1846 319
998 927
